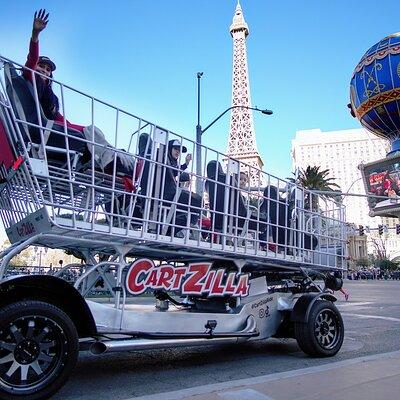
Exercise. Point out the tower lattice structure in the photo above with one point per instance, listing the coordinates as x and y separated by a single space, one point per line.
242 138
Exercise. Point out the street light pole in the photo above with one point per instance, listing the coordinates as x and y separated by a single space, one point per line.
200 131
348 190
199 75
265 111
198 137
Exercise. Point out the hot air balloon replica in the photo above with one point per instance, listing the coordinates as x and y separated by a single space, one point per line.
375 102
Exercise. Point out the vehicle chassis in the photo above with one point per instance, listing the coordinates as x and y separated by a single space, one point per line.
249 288
291 305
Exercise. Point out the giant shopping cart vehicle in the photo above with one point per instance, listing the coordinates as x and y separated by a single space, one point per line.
188 257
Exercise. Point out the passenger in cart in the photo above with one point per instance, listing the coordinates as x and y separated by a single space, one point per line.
243 180
241 215
23 90
78 135
186 197
277 212
184 181
257 213
44 65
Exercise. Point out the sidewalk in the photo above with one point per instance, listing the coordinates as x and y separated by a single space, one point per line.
374 377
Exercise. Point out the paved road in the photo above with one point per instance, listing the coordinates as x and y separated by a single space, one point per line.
372 323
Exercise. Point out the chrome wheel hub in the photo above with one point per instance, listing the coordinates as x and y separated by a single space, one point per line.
326 329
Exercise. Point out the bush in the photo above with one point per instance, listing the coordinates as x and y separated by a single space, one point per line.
386 265
363 262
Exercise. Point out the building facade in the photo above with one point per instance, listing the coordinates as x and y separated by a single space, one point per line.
357 249
341 152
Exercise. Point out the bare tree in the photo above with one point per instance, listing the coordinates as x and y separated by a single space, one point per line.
380 247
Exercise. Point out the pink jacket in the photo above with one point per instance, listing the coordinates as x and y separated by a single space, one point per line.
32 60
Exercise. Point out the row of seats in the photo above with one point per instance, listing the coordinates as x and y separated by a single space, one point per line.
228 208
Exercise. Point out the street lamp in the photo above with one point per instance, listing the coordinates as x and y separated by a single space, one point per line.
200 131
265 111
352 184
198 135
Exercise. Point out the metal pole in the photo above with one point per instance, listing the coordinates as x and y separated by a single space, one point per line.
199 75
200 131
198 139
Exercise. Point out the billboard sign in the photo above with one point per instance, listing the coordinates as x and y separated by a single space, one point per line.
382 178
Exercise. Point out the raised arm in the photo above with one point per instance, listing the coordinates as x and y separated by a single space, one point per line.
187 162
40 21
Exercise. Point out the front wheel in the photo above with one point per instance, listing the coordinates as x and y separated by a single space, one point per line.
38 350
322 335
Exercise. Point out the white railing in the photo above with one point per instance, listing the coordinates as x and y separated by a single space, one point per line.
87 186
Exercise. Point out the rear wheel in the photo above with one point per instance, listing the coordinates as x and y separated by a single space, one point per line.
322 335
38 350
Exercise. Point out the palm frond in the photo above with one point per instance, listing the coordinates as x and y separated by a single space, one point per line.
313 178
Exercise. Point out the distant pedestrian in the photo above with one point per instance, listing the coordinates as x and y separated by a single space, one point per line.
342 290
345 293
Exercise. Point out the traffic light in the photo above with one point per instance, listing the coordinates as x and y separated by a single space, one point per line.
398 229
380 229
360 230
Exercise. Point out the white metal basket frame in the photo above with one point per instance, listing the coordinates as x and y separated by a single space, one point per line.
82 208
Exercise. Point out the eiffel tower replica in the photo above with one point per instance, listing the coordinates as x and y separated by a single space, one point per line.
242 138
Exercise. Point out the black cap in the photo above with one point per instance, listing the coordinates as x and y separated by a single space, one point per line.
46 60
184 177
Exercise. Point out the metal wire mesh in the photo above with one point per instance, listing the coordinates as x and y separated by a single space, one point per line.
87 186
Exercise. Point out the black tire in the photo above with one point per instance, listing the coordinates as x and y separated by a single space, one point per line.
38 350
322 335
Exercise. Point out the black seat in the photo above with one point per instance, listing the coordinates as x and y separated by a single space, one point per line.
144 152
279 213
131 183
283 224
21 95
220 189
217 186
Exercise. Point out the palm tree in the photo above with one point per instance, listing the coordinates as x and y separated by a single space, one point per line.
312 178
